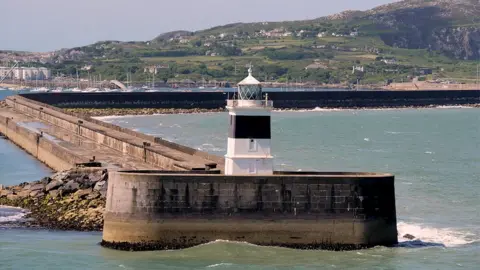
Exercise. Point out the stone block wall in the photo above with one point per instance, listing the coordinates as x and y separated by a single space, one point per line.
102 134
307 210
53 155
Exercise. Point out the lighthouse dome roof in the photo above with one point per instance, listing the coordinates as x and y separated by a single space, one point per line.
249 80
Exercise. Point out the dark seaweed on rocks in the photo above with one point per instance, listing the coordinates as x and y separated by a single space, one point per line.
68 200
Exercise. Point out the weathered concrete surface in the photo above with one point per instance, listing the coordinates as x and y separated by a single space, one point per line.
58 148
160 154
307 210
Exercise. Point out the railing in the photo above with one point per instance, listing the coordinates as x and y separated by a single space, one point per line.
250 103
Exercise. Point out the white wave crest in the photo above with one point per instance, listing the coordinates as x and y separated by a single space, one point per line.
219 241
219 264
433 236
11 214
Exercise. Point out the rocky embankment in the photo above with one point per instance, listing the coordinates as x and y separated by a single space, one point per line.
68 200
141 111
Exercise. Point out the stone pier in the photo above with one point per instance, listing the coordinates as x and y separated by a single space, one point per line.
147 210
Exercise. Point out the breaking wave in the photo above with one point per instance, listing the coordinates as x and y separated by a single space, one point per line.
11 215
430 236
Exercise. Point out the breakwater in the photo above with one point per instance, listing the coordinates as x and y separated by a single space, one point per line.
182 199
149 210
282 100
144 150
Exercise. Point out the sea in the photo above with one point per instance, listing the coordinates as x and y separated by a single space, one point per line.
434 154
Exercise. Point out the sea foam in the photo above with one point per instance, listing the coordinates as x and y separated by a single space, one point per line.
426 235
10 215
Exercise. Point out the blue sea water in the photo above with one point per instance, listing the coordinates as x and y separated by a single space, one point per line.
17 166
434 153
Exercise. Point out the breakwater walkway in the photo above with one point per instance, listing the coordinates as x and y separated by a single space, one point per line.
282 100
63 141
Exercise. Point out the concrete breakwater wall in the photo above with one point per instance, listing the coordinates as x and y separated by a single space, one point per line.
188 203
151 150
53 155
166 210
282 100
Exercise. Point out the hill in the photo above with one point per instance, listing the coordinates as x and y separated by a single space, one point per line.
430 39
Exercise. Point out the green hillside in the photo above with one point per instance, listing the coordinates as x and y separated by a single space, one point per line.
394 42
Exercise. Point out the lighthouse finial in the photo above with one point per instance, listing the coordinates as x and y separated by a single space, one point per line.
250 69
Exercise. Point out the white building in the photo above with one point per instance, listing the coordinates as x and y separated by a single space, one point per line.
26 73
5 72
249 138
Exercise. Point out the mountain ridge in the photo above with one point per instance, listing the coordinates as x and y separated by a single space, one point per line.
392 42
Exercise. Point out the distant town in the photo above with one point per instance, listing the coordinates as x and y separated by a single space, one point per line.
379 48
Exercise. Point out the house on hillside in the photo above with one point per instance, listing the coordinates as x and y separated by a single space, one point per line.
321 34
357 69
389 61
154 69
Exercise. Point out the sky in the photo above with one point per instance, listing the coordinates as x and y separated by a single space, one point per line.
46 25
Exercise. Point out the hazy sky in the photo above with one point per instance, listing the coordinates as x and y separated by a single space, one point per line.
44 25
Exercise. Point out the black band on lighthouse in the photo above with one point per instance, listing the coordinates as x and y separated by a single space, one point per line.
249 127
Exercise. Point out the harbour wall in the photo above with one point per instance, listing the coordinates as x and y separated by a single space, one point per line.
281 100
167 210
184 205
46 151
127 142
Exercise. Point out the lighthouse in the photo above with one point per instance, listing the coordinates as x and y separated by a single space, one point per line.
249 135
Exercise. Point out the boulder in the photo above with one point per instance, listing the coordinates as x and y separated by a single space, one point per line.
60 176
54 184
70 187
12 197
26 187
5 192
1 187
36 193
103 193
96 176
82 194
85 181
45 180
23 193
40 187
54 193
93 204
409 236
100 185
94 195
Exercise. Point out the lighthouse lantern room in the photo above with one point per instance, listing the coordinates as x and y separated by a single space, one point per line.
249 136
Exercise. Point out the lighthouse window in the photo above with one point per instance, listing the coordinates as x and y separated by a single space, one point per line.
243 127
252 145
252 168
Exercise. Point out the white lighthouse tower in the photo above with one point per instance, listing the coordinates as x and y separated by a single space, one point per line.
249 136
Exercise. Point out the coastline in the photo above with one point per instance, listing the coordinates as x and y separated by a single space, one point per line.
148 111
68 200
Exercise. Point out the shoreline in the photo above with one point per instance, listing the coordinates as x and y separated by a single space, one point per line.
68 200
161 111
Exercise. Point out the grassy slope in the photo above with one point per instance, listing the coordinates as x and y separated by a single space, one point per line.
361 50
